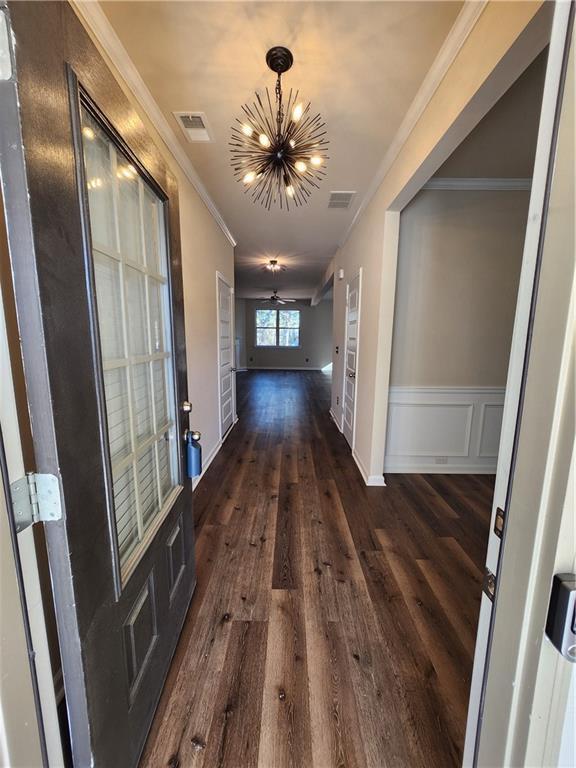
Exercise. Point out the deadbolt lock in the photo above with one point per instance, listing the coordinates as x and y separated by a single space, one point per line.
186 406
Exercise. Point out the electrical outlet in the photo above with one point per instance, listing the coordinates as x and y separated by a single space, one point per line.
441 460
337 400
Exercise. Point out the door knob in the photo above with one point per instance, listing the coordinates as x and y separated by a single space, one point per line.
351 375
233 370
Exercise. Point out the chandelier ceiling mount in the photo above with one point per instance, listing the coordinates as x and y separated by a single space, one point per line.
279 151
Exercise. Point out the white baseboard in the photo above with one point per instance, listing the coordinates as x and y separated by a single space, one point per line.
282 368
373 480
449 430
208 460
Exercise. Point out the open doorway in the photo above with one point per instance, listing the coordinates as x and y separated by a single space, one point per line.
460 257
291 336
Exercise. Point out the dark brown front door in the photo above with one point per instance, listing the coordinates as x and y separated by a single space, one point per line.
92 217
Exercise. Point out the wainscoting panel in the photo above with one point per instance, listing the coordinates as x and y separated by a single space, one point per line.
443 429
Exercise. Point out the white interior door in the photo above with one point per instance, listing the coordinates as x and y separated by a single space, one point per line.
351 359
482 720
226 369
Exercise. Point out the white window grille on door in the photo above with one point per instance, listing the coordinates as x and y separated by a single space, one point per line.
130 264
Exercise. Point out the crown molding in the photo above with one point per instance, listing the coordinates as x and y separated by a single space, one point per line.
94 17
457 36
476 183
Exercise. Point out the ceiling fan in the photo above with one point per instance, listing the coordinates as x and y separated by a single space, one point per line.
275 299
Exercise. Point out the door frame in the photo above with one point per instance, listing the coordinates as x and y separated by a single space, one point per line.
29 729
357 274
526 556
224 279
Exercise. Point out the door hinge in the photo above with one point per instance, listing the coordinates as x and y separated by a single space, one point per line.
35 499
489 584
499 522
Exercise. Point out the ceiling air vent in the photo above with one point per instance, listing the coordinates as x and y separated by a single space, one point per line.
340 199
194 125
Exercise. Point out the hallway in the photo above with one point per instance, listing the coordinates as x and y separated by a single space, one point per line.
333 624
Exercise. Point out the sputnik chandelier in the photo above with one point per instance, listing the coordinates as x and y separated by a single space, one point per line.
279 152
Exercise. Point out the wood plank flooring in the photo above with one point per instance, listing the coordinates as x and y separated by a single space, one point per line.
333 624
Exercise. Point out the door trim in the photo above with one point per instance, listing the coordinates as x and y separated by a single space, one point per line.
358 275
220 276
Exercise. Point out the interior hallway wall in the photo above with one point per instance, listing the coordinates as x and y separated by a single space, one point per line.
458 270
504 40
459 262
315 350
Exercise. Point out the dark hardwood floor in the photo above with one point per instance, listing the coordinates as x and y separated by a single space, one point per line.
333 624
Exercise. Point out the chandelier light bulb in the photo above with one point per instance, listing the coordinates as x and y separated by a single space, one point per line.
88 133
278 146
297 112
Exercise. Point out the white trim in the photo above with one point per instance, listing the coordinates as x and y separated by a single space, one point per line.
451 46
372 480
358 275
335 420
94 17
224 279
415 468
478 184
282 367
206 462
450 430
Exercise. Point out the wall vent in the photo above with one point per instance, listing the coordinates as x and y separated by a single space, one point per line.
194 125
340 199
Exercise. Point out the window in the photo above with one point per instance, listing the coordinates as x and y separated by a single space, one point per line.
130 262
277 327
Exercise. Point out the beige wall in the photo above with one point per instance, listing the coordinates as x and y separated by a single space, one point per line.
459 263
504 41
205 251
488 152
315 349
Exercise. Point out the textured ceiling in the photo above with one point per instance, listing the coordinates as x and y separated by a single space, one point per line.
359 63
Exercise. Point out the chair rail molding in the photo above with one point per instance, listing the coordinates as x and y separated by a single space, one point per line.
94 18
448 430
475 184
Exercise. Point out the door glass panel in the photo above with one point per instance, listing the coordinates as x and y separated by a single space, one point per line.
117 407
100 183
130 261
107 274
129 218
136 301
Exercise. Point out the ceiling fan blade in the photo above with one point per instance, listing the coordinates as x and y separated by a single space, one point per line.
280 301
291 300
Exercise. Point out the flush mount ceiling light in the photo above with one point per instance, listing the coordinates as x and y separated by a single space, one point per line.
273 266
279 151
